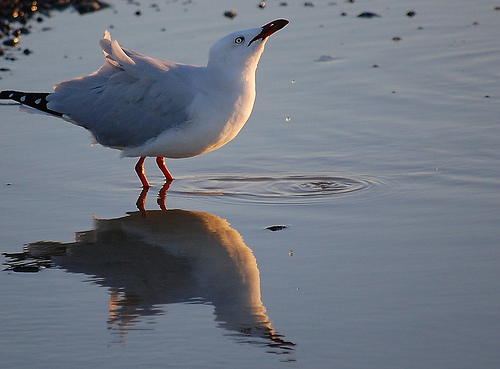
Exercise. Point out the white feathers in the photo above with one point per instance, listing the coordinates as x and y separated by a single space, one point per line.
152 107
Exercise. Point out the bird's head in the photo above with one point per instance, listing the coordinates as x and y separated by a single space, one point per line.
242 49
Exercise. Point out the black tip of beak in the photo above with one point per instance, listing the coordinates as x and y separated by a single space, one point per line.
270 28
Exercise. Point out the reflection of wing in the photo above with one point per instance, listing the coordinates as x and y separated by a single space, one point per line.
126 103
171 256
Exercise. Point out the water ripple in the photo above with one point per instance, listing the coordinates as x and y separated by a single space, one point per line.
284 189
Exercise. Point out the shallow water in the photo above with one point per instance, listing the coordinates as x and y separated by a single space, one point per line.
386 179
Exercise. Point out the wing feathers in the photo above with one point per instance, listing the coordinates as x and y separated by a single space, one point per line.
130 99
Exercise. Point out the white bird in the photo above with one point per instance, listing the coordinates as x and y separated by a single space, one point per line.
150 107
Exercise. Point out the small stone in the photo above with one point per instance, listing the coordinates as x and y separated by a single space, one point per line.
11 42
23 31
231 14
275 228
27 52
262 5
309 4
411 14
368 15
396 38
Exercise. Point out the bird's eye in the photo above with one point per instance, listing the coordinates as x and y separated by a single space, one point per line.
238 40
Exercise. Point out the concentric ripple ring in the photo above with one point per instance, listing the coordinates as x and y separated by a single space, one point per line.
290 189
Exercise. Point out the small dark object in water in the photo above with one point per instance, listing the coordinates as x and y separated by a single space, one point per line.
2 52
89 6
411 14
22 31
230 14
343 14
138 13
396 38
262 5
11 42
309 3
275 228
368 15
27 52
283 3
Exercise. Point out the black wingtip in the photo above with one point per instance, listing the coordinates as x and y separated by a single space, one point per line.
35 100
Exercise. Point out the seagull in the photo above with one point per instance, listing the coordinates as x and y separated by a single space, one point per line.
148 107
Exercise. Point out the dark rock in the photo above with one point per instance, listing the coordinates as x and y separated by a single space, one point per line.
230 14
411 14
368 15
12 42
89 6
275 228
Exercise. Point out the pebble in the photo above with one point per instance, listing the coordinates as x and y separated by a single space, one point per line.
12 42
231 14
275 228
368 15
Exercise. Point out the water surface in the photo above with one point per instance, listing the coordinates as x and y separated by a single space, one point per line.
379 156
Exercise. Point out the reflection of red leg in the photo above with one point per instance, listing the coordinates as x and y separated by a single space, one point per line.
160 160
141 201
139 168
162 195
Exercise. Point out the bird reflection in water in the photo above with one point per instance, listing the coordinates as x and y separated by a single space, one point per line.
171 256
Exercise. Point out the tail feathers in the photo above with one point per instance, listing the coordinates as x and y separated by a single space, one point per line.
35 100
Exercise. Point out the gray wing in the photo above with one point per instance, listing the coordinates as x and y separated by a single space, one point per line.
130 100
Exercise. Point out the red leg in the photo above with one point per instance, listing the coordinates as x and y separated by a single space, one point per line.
139 168
160 160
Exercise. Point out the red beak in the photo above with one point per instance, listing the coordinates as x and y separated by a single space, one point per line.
269 29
